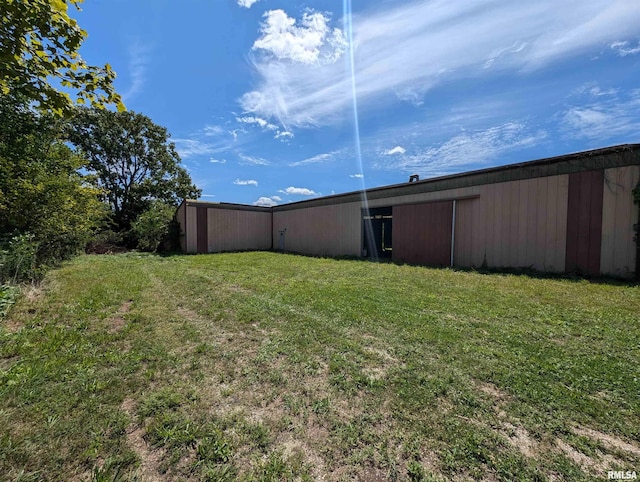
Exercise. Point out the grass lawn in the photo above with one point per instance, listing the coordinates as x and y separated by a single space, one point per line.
264 366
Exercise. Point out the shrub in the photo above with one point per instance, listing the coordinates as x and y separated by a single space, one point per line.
152 227
19 258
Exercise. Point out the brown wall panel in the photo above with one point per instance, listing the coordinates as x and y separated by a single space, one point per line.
202 229
584 222
422 233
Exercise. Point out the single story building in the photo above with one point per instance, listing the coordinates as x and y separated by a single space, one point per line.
572 213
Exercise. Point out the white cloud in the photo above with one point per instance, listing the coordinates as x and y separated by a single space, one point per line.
247 3
247 182
623 48
265 202
606 118
409 47
395 150
257 120
207 195
217 161
356 176
138 62
466 150
284 135
213 131
193 147
312 160
594 90
276 198
311 43
301 191
252 160
319 159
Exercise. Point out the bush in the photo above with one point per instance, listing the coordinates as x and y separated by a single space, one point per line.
152 227
8 295
19 259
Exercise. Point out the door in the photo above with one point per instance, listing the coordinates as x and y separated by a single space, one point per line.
422 233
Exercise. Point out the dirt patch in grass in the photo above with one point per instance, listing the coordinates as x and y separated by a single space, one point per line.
607 440
493 391
150 459
520 438
583 461
294 448
517 436
117 323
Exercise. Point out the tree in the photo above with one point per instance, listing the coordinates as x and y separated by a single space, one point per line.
39 45
48 209
133 161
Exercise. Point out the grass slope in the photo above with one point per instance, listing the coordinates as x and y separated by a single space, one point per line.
263 366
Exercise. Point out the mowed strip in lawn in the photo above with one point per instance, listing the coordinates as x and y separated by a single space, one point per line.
266 366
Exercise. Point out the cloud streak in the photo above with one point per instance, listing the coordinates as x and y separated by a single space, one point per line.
465 151
409 48
138 62
608 115
247 182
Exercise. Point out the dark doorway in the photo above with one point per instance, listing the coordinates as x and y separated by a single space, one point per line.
377 228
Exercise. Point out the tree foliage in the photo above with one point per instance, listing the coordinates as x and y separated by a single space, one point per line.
39 45
133 161
47 206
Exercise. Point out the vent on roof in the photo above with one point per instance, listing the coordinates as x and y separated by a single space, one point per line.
414 177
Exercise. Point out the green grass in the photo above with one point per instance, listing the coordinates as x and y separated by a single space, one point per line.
263 366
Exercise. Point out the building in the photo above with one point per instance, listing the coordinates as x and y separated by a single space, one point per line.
573 213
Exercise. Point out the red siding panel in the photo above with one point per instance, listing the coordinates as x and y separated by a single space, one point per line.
584 222
203 229
422 233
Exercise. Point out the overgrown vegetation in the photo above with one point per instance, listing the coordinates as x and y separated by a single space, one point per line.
48 209
54 200
263 366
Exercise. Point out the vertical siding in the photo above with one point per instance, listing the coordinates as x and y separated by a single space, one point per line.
422 233
619 214
333 230
464 233
238 230
191 235
514 224
202 229
584 222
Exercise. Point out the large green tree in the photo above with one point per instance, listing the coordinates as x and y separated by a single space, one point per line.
133 160
39 45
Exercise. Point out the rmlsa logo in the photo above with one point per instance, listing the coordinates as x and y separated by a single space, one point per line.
620 475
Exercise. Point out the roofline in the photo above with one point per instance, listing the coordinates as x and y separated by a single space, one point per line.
219 205
603 158
627 154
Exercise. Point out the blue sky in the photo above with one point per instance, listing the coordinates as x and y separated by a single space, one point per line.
258 95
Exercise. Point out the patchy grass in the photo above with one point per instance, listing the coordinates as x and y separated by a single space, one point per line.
263 366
